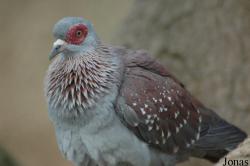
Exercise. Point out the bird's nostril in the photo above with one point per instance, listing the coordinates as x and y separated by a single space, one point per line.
58 47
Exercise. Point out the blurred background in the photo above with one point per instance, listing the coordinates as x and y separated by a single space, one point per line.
206 44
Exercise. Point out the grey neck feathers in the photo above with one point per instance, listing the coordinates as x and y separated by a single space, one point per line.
76 83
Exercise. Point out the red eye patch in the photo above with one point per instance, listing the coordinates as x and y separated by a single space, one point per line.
76 34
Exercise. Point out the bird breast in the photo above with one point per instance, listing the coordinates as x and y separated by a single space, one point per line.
77 83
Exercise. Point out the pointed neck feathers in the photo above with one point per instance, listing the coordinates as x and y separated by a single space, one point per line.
77 82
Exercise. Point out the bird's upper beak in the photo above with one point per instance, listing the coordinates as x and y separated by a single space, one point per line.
58 47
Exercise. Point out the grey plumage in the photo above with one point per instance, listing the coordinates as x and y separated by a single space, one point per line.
114 106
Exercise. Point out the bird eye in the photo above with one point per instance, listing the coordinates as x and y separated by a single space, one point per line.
78 33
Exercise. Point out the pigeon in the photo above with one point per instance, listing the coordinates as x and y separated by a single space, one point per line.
113 106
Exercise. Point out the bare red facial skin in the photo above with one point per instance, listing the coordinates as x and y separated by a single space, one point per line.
76 34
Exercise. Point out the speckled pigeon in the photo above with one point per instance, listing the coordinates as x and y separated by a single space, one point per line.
114 106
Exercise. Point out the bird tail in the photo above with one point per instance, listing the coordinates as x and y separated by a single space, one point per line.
218 137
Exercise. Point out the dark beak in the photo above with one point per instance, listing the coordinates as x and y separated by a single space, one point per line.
58 47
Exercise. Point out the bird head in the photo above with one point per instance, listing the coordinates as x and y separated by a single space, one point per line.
74 36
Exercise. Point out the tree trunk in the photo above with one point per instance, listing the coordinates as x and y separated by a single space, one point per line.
205 43
240 156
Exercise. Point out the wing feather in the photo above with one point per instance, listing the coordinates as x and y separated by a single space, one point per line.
156 106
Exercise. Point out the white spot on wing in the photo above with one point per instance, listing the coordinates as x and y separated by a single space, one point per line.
162 134
200 119
175 115
197 136
192 141
176 149
163 140
136 124
142 111
169 134
177 130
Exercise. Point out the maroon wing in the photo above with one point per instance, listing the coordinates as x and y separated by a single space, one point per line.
155 105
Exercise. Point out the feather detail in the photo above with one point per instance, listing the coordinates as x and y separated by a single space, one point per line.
81 80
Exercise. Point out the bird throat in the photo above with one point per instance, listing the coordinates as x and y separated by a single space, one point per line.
77 83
